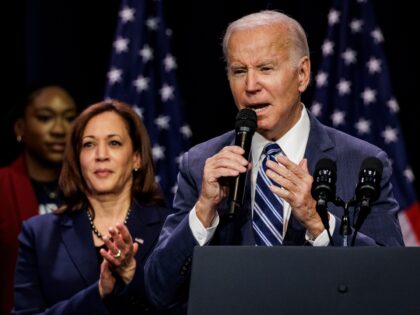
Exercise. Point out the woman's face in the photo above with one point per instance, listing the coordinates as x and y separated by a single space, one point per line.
107 158
46 124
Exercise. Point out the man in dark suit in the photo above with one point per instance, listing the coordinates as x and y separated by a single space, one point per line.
268 68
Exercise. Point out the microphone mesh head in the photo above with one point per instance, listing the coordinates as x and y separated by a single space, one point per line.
326 164
325 177
370 176
246 118
372 163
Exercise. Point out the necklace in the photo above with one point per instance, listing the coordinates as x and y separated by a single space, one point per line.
49 189
95 230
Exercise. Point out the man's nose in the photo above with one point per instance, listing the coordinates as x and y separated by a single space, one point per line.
252 82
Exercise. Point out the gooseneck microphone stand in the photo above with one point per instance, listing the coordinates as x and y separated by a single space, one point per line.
321 208
345 228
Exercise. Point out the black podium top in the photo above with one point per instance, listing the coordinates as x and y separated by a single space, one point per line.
242 280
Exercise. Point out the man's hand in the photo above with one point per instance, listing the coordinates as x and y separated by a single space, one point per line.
229 162
296 184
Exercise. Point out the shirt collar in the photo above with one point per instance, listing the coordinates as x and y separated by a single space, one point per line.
293 143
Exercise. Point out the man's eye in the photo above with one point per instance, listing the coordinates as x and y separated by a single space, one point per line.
266 69
237 72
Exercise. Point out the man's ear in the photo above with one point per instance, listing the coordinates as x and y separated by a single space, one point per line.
304 73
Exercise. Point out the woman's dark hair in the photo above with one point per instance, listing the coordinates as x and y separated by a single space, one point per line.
145 190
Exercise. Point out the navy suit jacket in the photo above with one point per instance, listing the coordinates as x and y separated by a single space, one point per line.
167 270
58 270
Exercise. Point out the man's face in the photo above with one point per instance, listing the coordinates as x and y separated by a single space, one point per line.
263 76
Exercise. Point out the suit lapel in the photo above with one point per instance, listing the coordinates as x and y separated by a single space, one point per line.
144 226
247 231
77 238
320 145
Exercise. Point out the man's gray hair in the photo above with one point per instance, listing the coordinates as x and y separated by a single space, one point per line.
269 17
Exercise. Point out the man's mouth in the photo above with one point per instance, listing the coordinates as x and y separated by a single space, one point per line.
258 107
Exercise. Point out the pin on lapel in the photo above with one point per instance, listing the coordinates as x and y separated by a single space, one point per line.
140 241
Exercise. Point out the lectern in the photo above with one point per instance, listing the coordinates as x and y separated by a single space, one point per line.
248 280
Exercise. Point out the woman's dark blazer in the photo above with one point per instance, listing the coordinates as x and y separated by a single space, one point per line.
57 270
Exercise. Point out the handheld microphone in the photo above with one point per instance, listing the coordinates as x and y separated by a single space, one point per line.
245 125
368 188
323 187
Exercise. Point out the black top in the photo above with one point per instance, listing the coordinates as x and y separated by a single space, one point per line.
47 194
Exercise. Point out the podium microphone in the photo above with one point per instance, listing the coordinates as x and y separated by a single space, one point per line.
323 189
245 125
368 188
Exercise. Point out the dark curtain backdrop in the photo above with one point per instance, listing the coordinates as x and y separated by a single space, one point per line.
69 42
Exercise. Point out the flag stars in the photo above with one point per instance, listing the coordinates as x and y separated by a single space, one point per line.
158 152
127 14
168 32
169 62
356 26
139 111
186 131
146 53
390 135
327 48
321 79
178 159
349 56
369 96
363 126
152 23
174 189
141 83
121 44
343 87
316 109
150 67
166 92
162 122
114 75
377 35
333 17
393 105
408 173
338 118
374 65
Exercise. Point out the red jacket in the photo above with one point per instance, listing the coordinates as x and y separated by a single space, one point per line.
17 203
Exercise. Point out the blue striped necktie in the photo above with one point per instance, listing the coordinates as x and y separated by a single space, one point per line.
268 207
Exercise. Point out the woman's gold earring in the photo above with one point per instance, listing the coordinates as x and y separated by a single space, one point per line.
19 138
136 169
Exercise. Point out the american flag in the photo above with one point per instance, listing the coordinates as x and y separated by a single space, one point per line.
142 74
354 94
